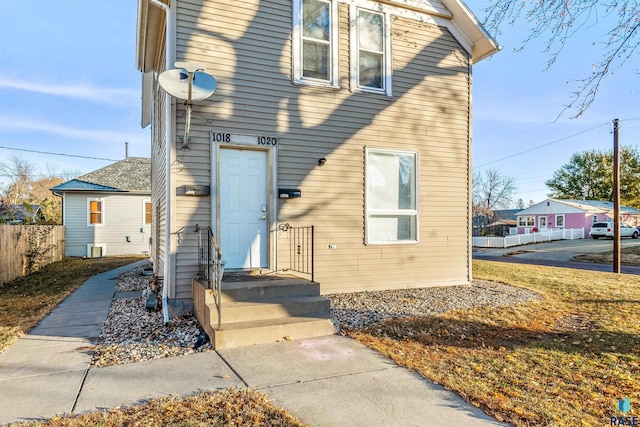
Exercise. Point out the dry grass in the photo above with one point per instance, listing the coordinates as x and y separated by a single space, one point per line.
27 300
239 407
565 360
629 255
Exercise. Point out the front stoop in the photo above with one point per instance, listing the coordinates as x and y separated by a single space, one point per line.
261 311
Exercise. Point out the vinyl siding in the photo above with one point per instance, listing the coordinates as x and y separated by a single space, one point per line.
246 45
158 178
122 217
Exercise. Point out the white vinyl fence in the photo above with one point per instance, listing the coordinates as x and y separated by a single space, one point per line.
523 239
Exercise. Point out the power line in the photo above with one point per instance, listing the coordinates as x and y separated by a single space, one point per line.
59 154
542 146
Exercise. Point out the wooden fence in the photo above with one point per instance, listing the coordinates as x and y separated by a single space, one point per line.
27 248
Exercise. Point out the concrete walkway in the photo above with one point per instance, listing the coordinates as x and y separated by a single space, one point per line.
323 381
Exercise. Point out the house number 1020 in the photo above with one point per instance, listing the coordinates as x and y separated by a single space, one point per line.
267 140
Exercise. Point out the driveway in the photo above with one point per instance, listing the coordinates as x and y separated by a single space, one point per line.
558 253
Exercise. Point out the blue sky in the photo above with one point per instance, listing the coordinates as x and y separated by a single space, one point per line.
68 84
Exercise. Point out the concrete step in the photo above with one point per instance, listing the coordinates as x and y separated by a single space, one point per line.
239 311
239 334
260 290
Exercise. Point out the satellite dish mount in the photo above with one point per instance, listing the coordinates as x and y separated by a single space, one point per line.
188 82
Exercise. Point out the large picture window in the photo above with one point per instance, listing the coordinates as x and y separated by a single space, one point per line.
526 221
370 50
391 196
95 209
315 47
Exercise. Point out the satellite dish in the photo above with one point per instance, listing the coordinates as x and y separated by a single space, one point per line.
188 81
176 83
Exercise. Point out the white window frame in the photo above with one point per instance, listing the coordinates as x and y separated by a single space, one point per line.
297 45
563 220
594 219
144 212
102 212
355 55
542 219
526 223
97 245
413 212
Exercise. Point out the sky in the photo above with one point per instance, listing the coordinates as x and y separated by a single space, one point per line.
69 85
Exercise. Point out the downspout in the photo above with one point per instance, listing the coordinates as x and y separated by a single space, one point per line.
168 131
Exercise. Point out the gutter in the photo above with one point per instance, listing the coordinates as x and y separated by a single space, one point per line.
168 132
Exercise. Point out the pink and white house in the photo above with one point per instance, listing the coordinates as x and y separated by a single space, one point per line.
553 214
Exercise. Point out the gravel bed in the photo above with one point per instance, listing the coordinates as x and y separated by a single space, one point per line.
134 280
363 309
132 333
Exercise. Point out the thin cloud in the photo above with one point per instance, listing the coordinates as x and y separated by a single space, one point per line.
109 96
13 124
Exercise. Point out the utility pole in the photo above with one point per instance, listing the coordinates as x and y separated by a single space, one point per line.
616 199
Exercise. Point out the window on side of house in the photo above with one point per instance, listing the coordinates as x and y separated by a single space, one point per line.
146 212
526 221
315 42
370 51
95 209
559 220
594 218
391 196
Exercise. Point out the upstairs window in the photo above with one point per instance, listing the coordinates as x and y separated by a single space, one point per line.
315 42
370 51
96 213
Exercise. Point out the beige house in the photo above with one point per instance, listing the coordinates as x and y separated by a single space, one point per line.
351 116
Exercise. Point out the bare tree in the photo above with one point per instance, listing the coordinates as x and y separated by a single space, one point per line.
22 188
491 190
559 20
18 172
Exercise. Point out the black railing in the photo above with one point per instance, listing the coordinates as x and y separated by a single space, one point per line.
211 266
299 241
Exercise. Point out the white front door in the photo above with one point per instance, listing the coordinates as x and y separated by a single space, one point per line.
243 208
542 222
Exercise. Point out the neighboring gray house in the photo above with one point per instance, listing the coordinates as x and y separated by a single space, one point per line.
108 211
20 214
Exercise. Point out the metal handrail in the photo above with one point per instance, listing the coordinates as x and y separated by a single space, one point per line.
211 265
301 248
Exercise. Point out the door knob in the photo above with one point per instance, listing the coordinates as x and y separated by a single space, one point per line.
263 217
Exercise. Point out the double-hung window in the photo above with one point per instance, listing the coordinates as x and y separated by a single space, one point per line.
146 212
526 221
315 42
391 196
370 51
95 208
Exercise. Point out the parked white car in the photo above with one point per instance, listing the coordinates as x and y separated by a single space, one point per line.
605 229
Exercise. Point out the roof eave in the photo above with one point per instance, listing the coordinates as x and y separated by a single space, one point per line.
148 35
483 44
